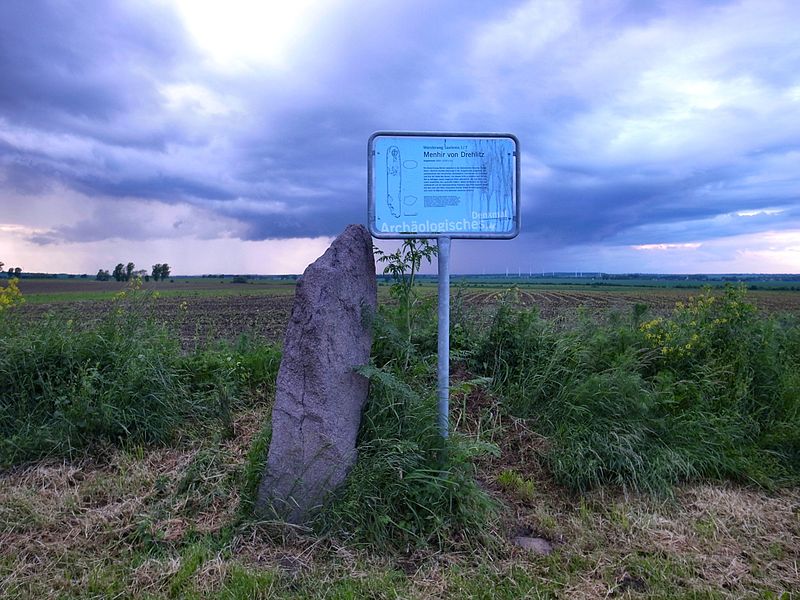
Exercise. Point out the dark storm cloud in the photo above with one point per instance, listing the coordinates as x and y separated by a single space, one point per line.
24 179
640 122
168 188
324 220
94 229
79 83
76 66
566 210
317 142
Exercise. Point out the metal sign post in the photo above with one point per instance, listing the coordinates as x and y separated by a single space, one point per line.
443 367
443 186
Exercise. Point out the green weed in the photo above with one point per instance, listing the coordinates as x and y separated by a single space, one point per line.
255 463
711 392
118 380
409 487
511 481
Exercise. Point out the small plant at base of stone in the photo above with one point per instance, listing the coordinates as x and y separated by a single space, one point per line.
404 265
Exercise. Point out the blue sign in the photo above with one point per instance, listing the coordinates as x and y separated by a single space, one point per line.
456 185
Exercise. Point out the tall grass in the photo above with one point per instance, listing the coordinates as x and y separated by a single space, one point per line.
409 488
120 379
710 392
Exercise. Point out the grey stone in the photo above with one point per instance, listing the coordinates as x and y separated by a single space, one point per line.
319 398
534 544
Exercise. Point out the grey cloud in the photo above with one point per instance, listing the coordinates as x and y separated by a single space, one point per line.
297 143
614 207
168 188
67 62
24 178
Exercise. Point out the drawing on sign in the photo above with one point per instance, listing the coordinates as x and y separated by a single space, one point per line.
457 186
409 210
394 181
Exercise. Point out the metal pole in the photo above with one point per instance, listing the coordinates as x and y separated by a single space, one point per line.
443 370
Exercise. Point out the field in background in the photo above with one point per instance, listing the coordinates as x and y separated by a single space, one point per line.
551 296
199 308
43 291
215 307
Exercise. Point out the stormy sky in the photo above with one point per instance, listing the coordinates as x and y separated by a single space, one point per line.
231 136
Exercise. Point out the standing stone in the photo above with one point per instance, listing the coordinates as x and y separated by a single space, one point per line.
319 398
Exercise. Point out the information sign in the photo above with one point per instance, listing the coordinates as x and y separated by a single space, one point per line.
443 186
458 185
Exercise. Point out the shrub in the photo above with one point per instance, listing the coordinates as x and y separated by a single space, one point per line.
10 295
710 391
121 379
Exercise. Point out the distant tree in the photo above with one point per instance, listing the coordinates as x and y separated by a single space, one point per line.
1 265
160 271
10 271
119 272
17 271
103 275
129 271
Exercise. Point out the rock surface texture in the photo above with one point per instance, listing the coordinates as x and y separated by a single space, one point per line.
319 398
534 544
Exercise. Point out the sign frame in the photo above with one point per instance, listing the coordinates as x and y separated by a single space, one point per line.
438 136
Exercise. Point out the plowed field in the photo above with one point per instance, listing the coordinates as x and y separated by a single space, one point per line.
553 303
205 309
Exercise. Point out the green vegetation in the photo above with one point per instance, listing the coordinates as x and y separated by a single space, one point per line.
148 453
513 482
160 271
10 295
710 392
403 265
119 380
67 291
409 489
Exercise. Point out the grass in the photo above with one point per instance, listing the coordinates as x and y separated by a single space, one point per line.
126 526
513 482
49 292
409 489
710 392
121 380
136 516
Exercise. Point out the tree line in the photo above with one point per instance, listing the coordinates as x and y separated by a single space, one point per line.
121 272
12 271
